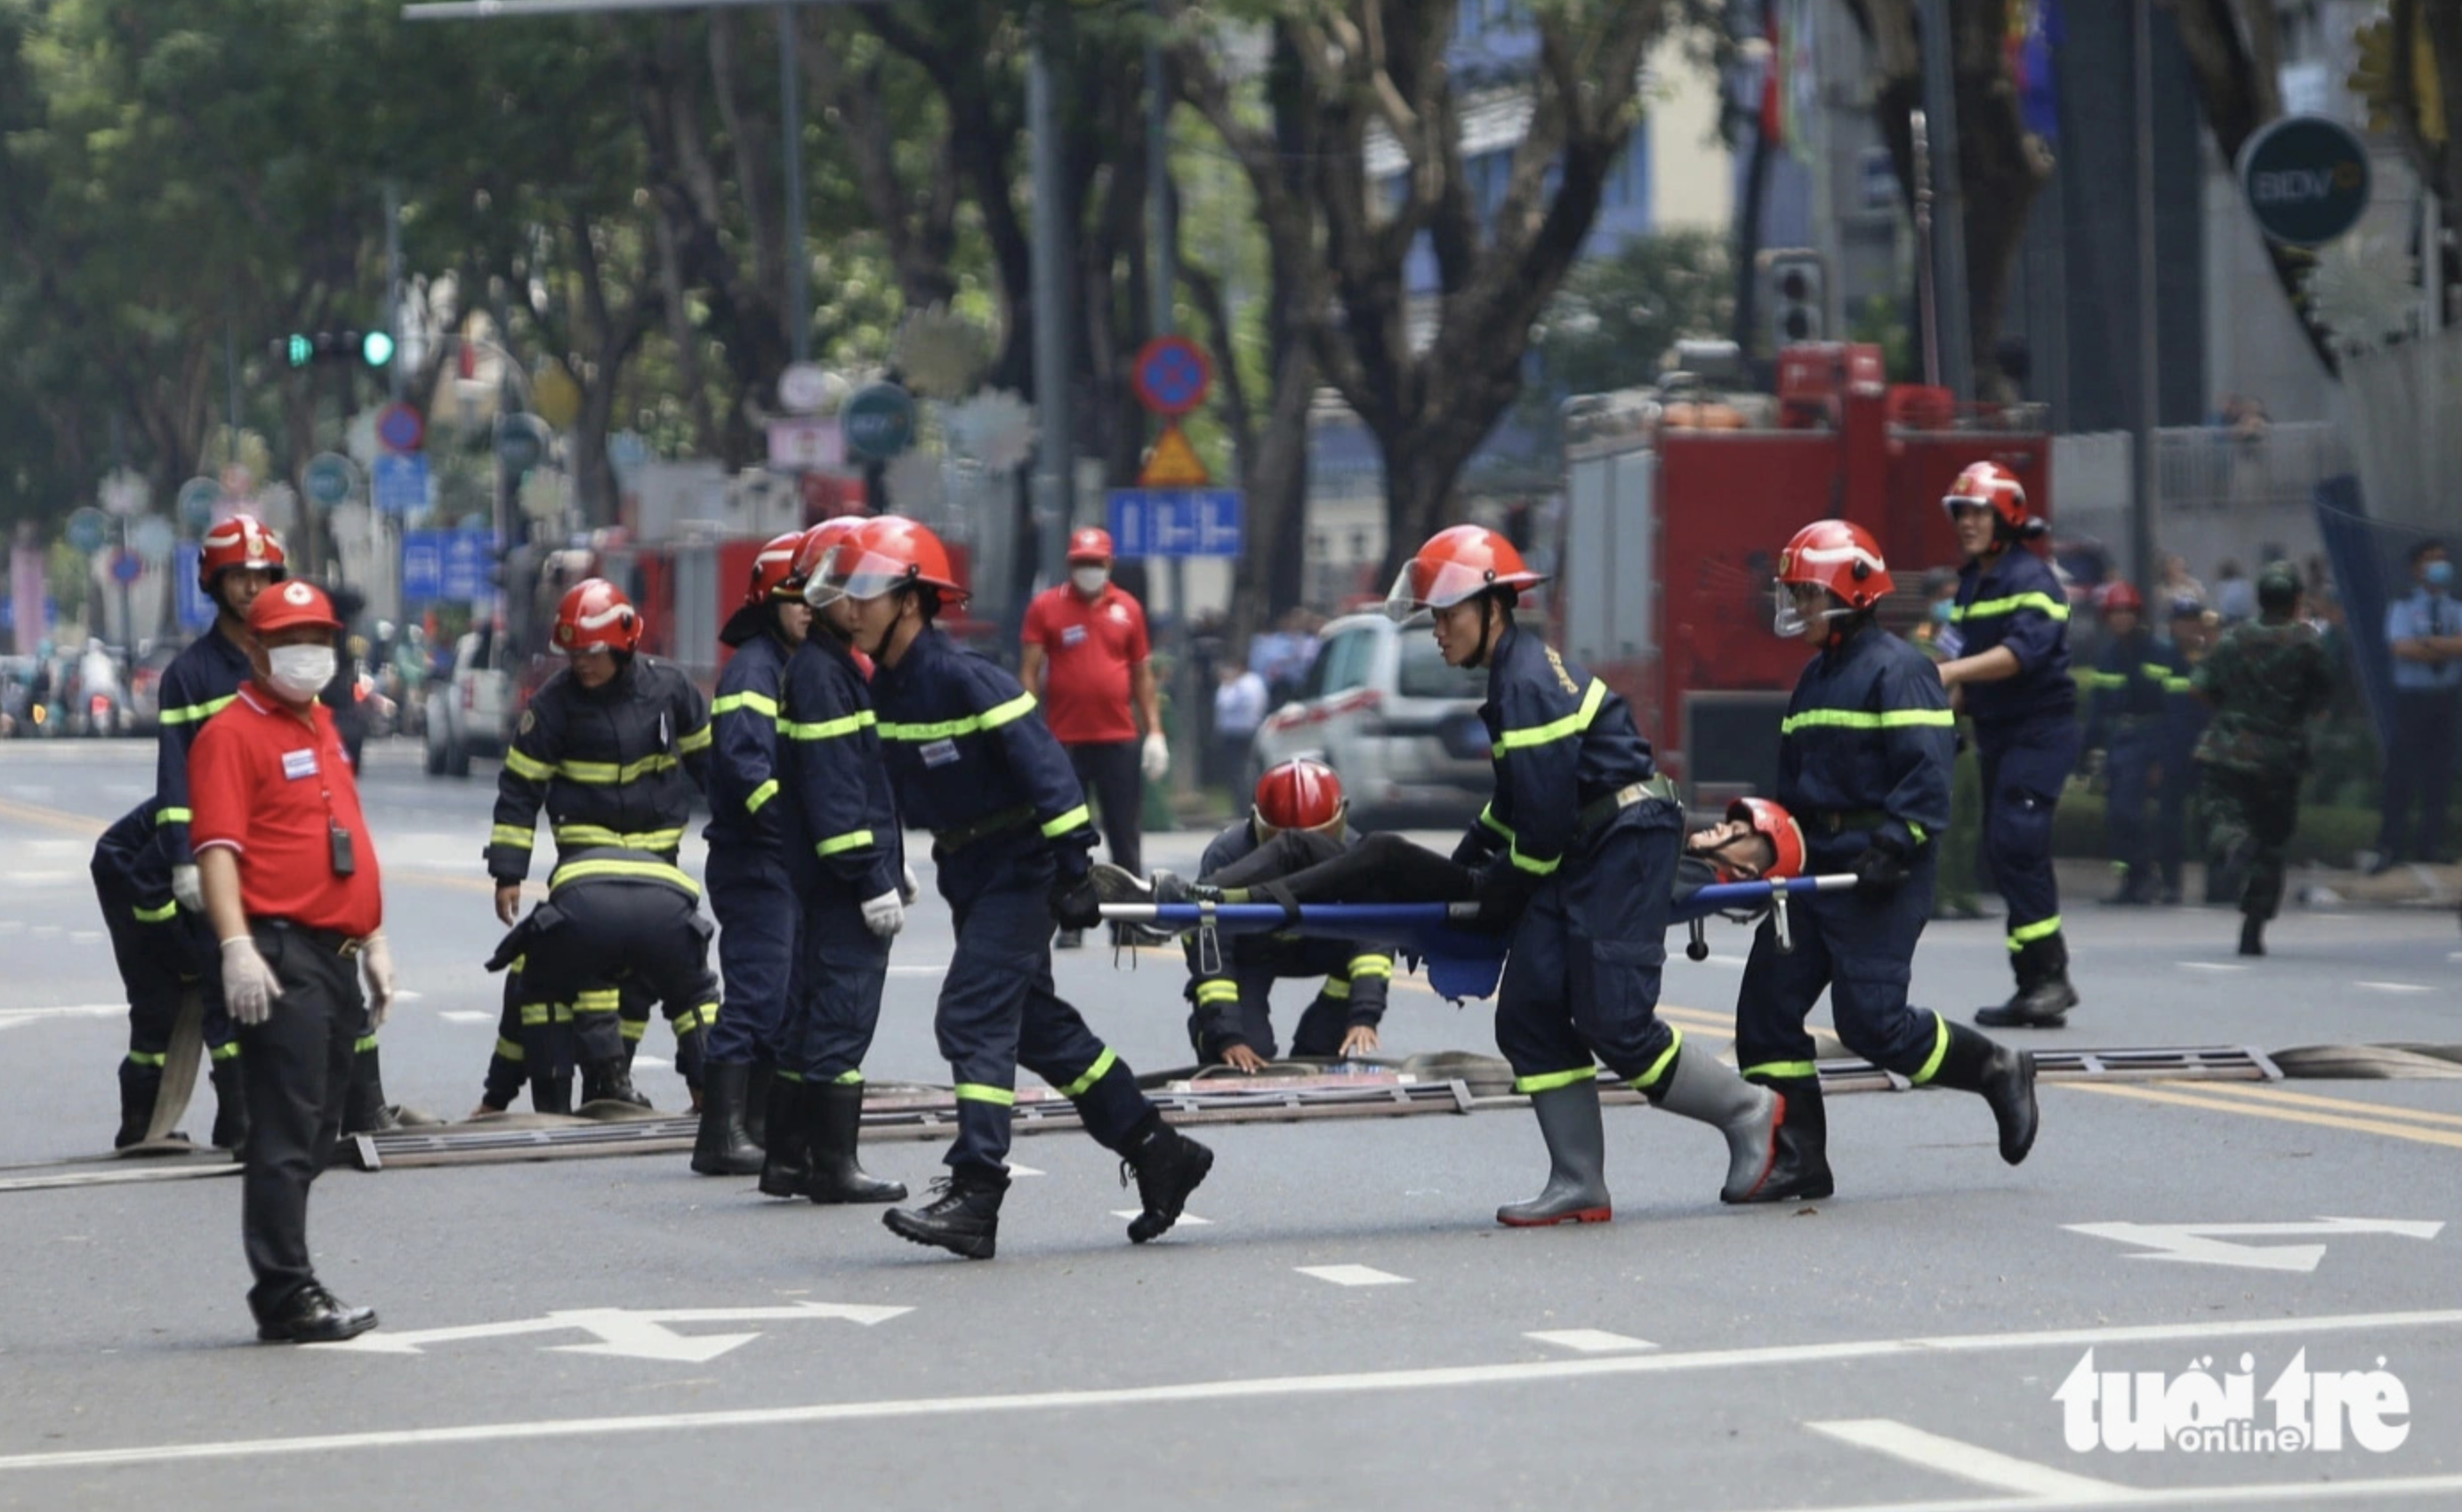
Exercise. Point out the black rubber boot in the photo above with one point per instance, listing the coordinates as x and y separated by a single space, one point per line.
721 1148
964 1218
2043 997
2136 889
2004 1077
833 1111
756 1101
365 1108
552 1093
609 1080
787 1159
139 1087
231 1105
1801 1169
2252 935
692 1064
1700 1089
1577 1156
1167 1165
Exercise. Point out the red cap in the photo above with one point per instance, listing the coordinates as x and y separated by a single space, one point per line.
1089 545
291 605
2123 594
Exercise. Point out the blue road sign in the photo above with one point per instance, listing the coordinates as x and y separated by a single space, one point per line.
196 611
1177 522
447 565
399 482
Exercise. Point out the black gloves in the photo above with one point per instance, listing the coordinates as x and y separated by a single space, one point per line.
1882 867
1479 846
1504 890
1075 904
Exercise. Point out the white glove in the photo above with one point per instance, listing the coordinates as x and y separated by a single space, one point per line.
188 887
249 985
908 888
884 915
1158 758
375 961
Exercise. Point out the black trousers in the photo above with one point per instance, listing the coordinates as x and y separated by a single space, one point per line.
2420 766
1110 774
296 1066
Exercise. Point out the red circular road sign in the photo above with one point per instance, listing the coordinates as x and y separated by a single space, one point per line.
1173 373
400 428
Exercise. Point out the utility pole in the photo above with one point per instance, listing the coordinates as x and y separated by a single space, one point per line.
2141 428
1162 264
1054 450
394 379
791 109
1948 215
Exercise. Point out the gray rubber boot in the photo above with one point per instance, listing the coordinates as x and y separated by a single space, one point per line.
1577 1156
1700 1089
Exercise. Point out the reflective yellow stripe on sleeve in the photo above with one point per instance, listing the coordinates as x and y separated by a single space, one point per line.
828 730
993 718
196 713
168 815
156 916
1994 608
760 795
698 740
757 702
838 843
604 773
520 763
1336 989
1531 864
1867 719
1056 827
1488 817
519 836
1217 990
1553 730
1371 966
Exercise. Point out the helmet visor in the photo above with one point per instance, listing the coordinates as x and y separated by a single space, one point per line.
847 571
1789 622
1423 585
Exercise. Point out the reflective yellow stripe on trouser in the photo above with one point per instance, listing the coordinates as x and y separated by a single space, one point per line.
1094 1073
1549 1081
1651 1078
1939 1052
2024 934
1780 1071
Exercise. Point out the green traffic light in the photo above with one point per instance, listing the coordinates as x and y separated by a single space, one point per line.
377 348
301 351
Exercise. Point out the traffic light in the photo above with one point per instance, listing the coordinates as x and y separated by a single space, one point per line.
299 349
1794 283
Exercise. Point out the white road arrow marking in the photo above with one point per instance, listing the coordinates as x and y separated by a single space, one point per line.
623 1332
2207 1243
18 1018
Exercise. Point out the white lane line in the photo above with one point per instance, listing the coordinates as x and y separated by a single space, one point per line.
2391 987
941 970
47 930
1133 1212
1725 960
652 1061
1589 1341
465 1016
1350 1382
37 878
66 1010
94 936
1984 1467
2208 965
1354 1275
1026 1170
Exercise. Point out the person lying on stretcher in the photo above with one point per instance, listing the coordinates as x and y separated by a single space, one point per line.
1756 840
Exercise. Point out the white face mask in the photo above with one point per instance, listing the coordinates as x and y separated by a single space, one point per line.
300 673
1089 580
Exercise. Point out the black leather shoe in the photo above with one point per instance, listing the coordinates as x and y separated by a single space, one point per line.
1167 1165
313 1315
964 1218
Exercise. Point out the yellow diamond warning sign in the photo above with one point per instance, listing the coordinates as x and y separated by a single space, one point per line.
1172 463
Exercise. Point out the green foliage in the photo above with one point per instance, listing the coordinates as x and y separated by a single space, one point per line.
1617 315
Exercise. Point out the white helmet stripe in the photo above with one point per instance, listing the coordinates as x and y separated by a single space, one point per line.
610 615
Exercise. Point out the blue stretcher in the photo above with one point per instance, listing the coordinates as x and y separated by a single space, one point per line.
1462 963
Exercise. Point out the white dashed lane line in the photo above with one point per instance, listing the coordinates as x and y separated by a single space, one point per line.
1354 1275
1589 1341
1133 1212
464 1016
2391 987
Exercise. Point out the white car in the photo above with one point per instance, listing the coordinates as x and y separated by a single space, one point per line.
471 712
1399 726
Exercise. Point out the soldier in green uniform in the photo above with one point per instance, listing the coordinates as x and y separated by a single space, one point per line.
2265 681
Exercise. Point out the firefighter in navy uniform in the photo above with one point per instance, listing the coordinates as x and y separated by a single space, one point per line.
161 960
969 761
611 746
1576 855
2125 720
2008 668
845 856
1232 1023
614 914
1863 764
749 891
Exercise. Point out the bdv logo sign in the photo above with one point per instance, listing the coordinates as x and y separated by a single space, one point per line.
2201 1412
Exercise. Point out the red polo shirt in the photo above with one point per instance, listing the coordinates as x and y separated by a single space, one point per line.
270 783
1091 647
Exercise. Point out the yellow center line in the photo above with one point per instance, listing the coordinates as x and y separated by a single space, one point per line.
2153 1094
2349 1105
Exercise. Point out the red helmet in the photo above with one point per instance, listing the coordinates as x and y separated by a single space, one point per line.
1995 487
1301 795
596 614
1091 544
1457 564
816 543
2123 595
240 543
1840 557
1785 835
885 553
773 570
291 605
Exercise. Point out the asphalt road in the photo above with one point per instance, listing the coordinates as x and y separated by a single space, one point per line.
1345 1328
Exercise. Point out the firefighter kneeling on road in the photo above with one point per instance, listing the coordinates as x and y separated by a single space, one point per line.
1233 1023
628 917
612 746
1576 855
1863 764
971 762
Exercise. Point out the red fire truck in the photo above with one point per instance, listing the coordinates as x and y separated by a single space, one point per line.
1670 541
